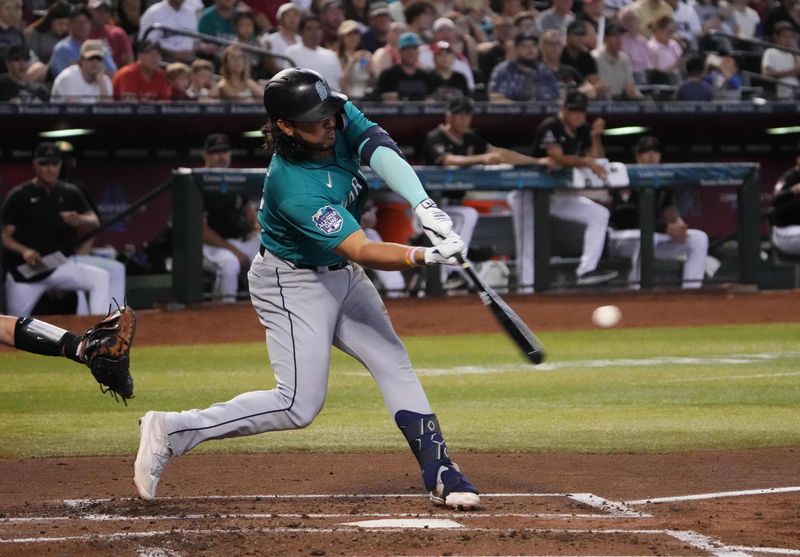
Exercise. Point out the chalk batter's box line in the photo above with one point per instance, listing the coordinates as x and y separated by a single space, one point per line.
694 539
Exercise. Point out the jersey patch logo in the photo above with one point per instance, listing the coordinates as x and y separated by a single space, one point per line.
328 220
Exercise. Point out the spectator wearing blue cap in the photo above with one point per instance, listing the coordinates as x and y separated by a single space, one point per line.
406 80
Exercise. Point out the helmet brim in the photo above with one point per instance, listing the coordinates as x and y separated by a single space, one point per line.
329 107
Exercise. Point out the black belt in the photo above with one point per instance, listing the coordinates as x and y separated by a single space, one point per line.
316 268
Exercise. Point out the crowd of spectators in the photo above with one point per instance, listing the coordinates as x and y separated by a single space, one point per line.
500 50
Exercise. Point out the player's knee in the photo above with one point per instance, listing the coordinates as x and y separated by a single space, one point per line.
697 239
229 265
303 414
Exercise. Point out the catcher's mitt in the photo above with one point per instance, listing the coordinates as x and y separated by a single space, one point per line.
106 350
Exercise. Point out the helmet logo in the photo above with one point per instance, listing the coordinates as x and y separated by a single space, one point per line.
322 91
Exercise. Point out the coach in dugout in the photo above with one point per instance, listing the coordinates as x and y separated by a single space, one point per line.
784 215
41 220
230 227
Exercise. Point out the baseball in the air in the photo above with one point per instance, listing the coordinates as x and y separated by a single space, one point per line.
606 317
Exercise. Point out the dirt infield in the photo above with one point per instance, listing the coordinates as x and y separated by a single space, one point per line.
723 503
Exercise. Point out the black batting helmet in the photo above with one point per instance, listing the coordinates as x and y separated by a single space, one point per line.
300 95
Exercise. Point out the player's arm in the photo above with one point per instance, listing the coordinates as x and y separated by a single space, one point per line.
387 256
449 159
510 156
212 238
31 256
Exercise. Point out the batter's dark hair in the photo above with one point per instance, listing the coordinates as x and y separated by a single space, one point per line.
278 143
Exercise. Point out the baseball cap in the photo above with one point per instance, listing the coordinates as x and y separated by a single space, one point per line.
91 47
94 4
216 143
146 46
647 143
379 8
46 152
79 9
17 52
612 30
782 25
348 26
407 40
460 105
285 8
577 27
522 37
575 100
443 23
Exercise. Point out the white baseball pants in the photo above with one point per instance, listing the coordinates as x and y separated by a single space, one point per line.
569 207
116 273
787 239
626 243
21 297
226 266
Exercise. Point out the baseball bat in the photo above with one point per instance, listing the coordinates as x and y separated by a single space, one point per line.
511 323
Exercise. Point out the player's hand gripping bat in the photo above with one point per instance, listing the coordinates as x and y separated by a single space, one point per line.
515 327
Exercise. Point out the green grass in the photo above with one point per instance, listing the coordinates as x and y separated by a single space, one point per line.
486 399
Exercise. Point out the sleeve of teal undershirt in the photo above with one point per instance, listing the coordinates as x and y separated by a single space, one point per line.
398 175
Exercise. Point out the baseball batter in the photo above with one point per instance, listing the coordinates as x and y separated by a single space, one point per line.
309 290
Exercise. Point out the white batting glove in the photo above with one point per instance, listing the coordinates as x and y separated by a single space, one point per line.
445 253
435 222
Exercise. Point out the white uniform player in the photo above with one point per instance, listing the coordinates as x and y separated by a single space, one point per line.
41 221
569 142
673 239
785 212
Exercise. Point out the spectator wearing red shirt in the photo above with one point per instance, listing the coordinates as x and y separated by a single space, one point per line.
266 12
143 80
116 39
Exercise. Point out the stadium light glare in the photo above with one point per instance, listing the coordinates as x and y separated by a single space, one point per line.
626 130
784 130
61 134
254 133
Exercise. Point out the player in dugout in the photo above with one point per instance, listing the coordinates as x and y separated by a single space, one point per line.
309 289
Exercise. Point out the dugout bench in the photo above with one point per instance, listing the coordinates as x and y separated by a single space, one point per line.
188 186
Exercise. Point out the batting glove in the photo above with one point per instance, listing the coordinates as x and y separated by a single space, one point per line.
445 253
435 222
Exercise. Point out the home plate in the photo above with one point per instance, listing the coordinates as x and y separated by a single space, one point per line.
406 523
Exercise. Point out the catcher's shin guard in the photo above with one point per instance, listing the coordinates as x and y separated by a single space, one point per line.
38 337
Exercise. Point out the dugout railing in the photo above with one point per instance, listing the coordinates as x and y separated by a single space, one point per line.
188 185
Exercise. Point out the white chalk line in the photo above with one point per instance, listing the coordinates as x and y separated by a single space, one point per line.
622 509
692 538
735 359
717 495
271 496
769 550
259 516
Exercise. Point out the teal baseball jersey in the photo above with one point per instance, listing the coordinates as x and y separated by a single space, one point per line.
309 208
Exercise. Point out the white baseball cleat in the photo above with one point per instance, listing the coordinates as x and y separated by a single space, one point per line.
454 490
153 455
